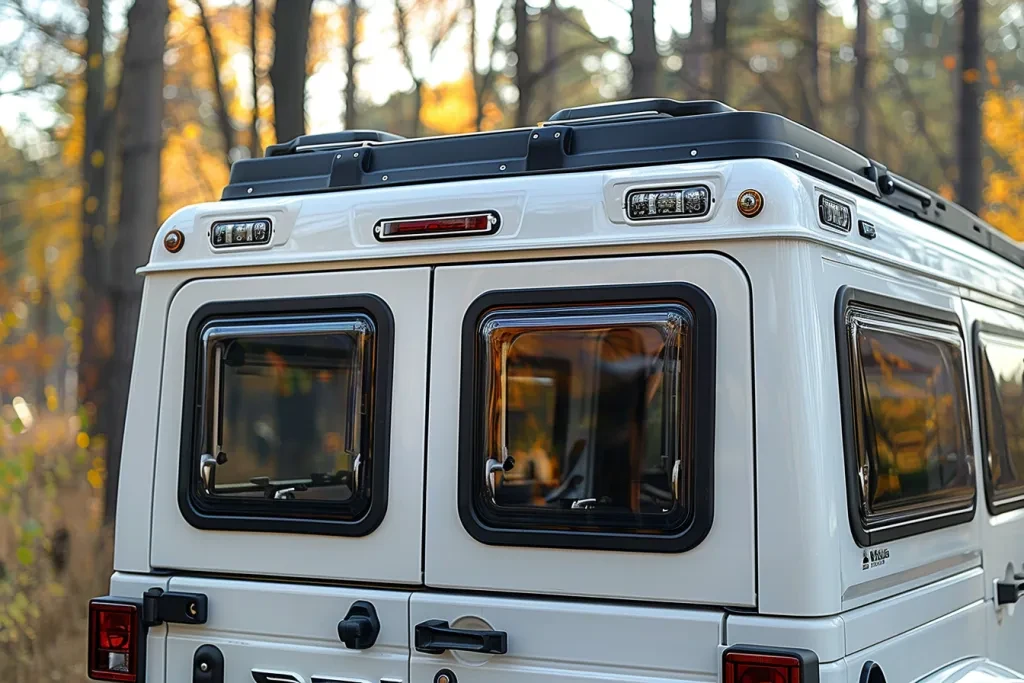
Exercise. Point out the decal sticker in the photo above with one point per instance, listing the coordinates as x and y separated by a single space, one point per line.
874 558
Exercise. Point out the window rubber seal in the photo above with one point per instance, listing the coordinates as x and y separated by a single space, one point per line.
928 521
320 522
703 396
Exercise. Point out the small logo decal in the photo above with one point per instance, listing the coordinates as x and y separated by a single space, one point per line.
874 558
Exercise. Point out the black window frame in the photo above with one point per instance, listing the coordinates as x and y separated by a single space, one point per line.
703 369
870 535
995 504
302 518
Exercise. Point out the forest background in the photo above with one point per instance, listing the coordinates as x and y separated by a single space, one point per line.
114 114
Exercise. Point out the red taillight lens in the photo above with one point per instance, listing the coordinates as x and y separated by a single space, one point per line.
113 641
472 224
741 667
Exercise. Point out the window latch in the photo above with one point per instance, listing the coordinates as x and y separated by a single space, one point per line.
208 470
159 607
491 470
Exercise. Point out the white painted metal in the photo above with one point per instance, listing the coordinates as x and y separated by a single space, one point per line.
392 552
290 628
720 570
573 642
778 464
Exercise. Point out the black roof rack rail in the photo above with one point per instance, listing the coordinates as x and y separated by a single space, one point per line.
613 135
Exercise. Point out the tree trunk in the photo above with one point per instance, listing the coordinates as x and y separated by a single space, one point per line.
474 77
643 60
92 389
969 124
288 72
524 78
227 130
860 79
549 94
141 111
720 51
254 129
695 46
811 100
352 20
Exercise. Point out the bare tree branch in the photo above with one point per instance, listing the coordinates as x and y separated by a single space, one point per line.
223 118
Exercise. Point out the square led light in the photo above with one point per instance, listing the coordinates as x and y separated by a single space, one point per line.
834 214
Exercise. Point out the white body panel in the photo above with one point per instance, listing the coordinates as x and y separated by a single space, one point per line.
780 548
391 553
720 570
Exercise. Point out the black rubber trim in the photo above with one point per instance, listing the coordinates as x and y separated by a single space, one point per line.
809 667
992 502
703 364
305 517
871 672
864 536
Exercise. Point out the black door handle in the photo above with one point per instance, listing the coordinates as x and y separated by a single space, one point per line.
434 636
360 627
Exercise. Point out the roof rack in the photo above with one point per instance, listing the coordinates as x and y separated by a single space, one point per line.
614 135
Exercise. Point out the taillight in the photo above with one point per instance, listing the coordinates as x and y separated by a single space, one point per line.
114 633
483 223
763 665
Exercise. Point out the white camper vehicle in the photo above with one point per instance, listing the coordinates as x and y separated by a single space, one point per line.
655 391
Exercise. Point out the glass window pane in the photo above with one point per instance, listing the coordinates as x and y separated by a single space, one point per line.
288 407
913 431
586 415
1003 382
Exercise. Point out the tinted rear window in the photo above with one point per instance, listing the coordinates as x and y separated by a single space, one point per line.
1002 382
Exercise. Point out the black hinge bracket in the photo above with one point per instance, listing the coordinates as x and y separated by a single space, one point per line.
349 167
159 607
548 148
1008 592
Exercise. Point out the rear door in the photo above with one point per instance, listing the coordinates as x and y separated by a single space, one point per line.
290 463
590 435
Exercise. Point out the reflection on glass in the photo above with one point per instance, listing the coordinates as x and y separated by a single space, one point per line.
1003 382
913 428
288 408
590 403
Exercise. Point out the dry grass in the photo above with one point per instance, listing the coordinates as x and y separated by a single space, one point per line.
54 552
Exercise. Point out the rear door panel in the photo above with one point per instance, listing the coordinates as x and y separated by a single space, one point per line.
289 630
391 553
572 641
720 569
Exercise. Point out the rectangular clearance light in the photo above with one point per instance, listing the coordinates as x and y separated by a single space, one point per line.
691 201
483 223
241 233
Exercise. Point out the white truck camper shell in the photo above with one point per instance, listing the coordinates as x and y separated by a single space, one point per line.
654 391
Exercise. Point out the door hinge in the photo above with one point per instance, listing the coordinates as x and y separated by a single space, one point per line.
159 607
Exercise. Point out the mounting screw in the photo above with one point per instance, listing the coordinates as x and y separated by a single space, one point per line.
558 135
203 666
384 178
355 155
249 191
536 135
173 241
338 157
502 167
693 152
750 203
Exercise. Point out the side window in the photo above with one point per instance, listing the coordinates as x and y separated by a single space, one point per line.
290 417
588 418
907 421
1001 379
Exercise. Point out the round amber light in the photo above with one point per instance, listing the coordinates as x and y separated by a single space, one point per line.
750 203
174 241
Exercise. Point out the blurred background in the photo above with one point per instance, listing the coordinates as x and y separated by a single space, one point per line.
113 114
